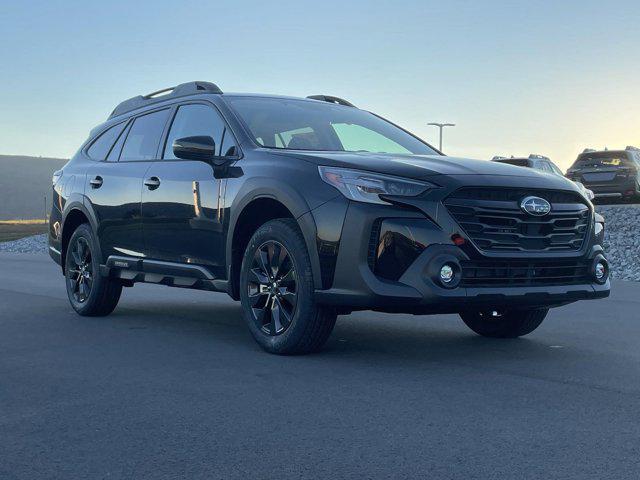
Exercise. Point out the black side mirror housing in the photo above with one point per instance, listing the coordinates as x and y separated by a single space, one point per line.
201 148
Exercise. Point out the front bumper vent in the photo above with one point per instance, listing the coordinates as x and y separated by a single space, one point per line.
523 273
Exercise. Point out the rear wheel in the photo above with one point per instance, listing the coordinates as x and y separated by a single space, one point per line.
276 292
89 293
506 324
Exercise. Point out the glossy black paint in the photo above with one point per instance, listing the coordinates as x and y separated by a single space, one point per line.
182 218
202 148
400 242
116 205
167 214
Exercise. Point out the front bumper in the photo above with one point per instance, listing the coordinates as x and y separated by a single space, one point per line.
418 291
415 288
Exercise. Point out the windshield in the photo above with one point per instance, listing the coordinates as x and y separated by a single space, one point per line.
518 162
602 159
313 125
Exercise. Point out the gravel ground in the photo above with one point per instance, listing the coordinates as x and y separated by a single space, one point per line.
33 244
622 241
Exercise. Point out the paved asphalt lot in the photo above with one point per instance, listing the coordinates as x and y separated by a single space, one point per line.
172 386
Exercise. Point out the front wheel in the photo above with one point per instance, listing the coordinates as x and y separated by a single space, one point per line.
505 324
277 290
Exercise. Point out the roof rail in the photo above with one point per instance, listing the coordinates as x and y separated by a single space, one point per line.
588 150
631 148
538 156
330 99
190 88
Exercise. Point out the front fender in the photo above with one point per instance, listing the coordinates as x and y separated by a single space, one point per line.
263 187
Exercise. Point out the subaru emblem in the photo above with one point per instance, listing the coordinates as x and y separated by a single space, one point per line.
535 206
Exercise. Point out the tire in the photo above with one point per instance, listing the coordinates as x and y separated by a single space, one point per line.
510 324
277 292
89 293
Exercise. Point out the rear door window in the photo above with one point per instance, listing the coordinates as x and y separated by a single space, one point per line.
144 136
194 120
99 149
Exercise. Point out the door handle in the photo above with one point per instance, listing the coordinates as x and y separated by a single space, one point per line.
152 183
96 182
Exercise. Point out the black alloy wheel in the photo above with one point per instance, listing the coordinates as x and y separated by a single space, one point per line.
90 293
80 274
272 288
277 291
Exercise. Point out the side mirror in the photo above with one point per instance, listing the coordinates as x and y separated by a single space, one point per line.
202 148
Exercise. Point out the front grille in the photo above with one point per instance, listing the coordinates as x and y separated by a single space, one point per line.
493 220
522 273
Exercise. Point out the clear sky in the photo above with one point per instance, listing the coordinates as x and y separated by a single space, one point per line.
549 77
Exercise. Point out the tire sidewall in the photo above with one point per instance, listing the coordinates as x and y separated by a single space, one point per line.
292 240
85 232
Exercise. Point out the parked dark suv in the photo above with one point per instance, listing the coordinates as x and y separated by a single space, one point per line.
544 164
539 162
304 209
613 174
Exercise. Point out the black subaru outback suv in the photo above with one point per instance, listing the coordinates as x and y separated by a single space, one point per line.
304 209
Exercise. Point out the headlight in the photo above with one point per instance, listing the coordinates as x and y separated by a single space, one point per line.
599 229
367 187
585 191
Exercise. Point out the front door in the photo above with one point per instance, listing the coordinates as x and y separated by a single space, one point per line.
181 199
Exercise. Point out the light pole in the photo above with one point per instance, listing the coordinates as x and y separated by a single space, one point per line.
441 126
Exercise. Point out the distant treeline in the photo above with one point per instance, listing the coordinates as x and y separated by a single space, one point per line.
24 182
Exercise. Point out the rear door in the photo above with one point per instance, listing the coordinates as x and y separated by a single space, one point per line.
181 201
115 185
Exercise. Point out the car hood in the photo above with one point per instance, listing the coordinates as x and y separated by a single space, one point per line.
415 166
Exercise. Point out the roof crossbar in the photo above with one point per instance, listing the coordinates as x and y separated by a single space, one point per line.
331 99
190 88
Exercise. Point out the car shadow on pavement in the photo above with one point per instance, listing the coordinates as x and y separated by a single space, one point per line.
363 336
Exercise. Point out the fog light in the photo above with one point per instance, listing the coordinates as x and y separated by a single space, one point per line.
446 274
601 270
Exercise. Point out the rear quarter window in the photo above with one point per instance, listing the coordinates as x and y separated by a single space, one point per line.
101 146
